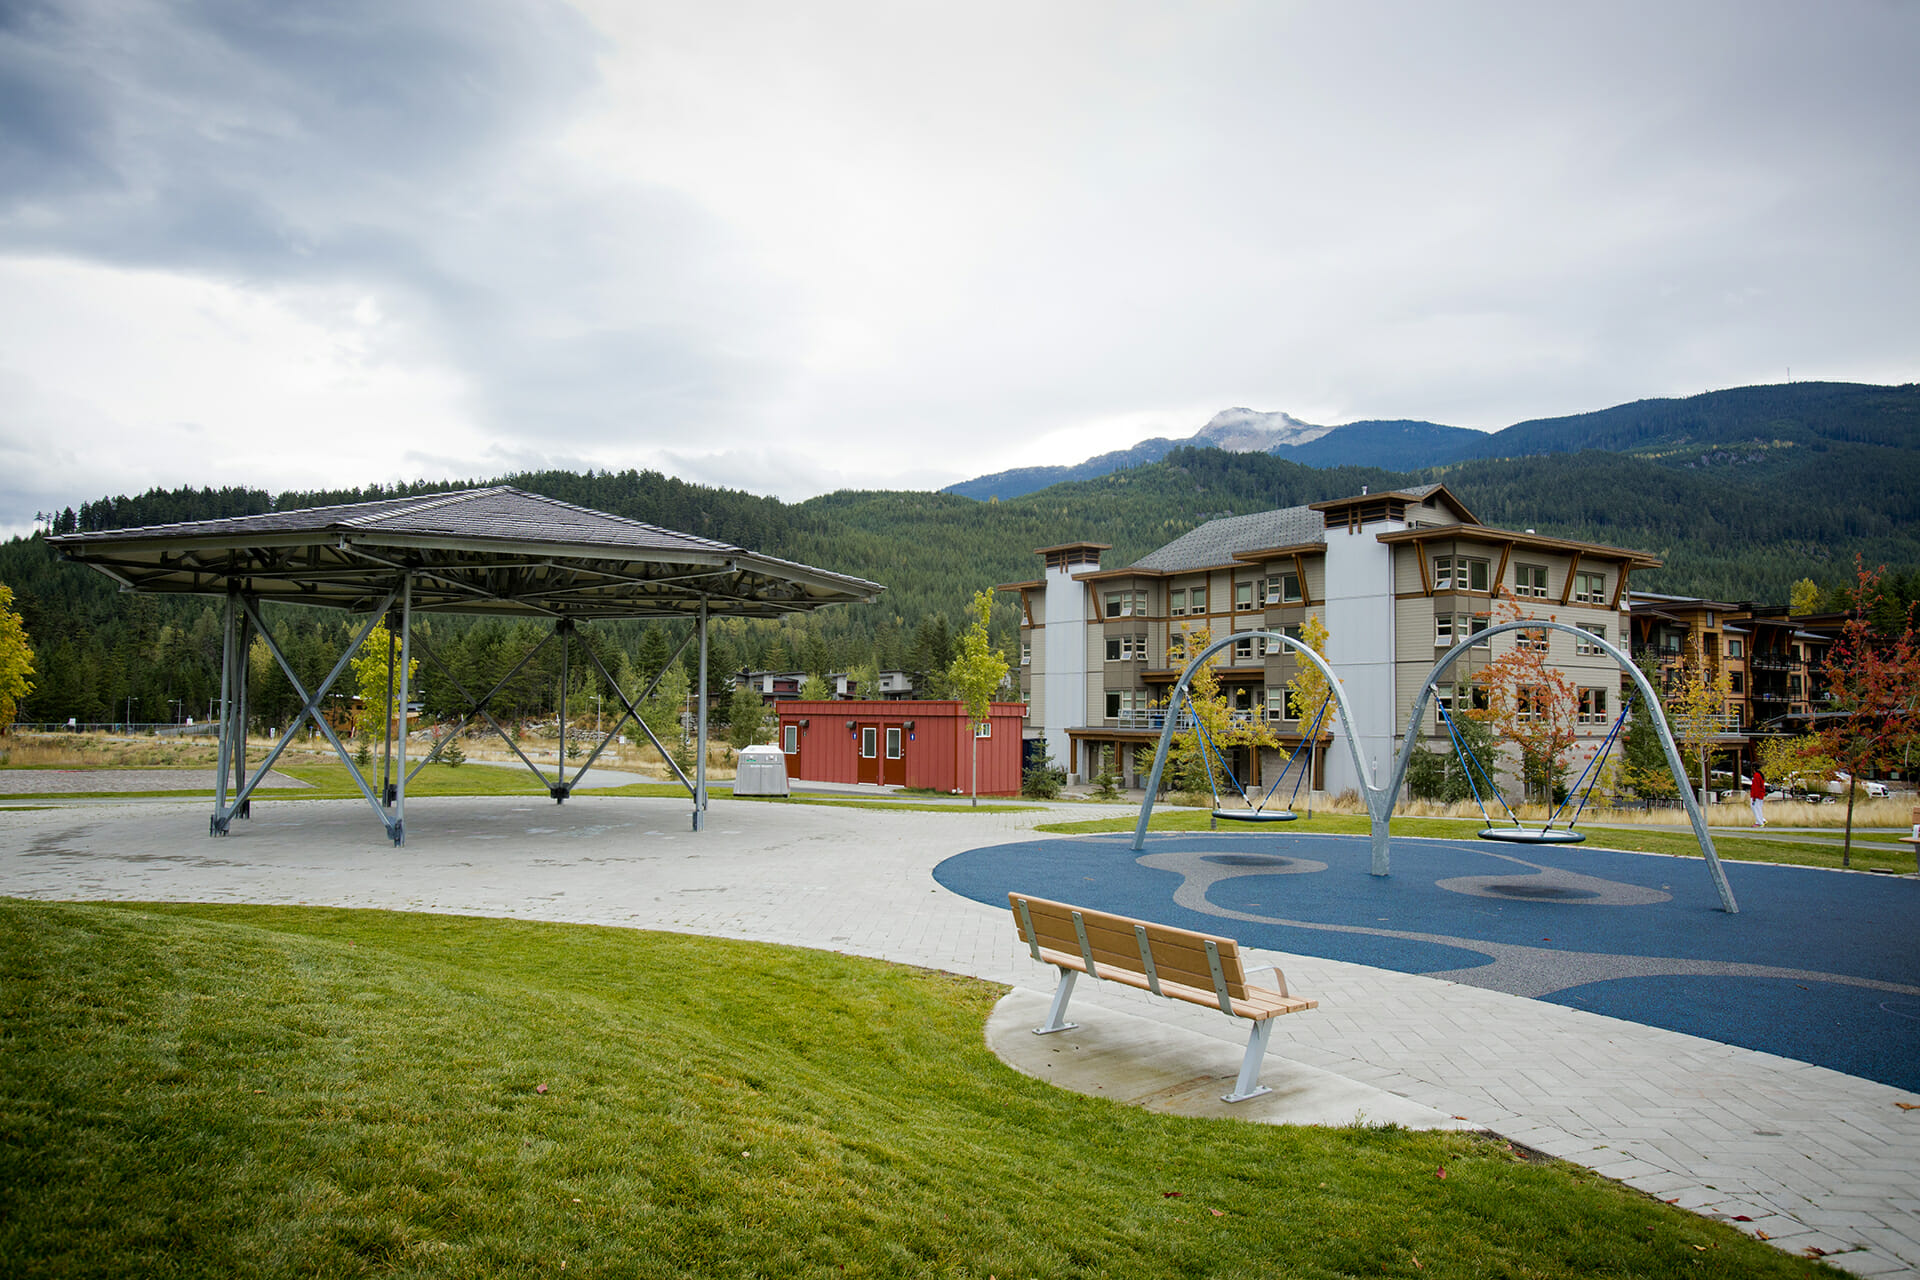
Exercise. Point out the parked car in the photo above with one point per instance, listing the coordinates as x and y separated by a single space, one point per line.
1868 787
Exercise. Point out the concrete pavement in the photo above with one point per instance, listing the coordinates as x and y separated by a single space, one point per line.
1812 1158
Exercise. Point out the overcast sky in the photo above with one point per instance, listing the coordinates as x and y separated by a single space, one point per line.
798 247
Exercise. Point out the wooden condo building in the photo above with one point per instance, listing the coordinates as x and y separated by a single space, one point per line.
1398 578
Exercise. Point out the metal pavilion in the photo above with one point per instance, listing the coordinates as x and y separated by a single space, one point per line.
498 551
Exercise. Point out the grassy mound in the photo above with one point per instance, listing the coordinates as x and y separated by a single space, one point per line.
198 1090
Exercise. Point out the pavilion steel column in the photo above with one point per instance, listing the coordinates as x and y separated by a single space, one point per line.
243 645
218 825
700 732
399 829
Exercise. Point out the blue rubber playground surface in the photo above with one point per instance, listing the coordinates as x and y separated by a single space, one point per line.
1820 966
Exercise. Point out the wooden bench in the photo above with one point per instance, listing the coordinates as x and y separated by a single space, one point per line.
1176 963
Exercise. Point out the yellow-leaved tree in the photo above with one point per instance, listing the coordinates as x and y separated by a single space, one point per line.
375 674
16 660
976 673
1697 711
1198 754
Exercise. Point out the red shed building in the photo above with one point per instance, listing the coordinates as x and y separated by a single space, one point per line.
910 744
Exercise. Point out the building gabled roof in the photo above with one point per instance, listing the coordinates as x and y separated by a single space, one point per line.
498 550
1214 543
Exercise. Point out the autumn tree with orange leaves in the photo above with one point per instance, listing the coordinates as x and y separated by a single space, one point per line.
1873 683
1530 704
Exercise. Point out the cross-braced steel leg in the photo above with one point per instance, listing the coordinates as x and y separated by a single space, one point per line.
1057 1014
1248 1085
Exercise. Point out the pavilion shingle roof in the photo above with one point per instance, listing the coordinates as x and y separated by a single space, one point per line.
498 550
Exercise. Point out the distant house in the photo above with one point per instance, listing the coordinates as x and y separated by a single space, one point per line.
784 686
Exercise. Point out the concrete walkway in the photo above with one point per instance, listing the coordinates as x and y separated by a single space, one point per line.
1810 1157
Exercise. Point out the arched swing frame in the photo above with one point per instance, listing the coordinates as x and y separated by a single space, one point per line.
1180 689
1380 799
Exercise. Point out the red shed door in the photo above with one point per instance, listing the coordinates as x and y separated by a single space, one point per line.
869 753
893 760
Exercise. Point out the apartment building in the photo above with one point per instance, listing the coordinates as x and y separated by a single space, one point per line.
1774 661
1398 578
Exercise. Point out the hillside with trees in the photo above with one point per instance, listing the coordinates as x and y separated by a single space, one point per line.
1739 520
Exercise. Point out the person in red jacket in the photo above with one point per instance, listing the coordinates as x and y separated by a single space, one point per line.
1758 793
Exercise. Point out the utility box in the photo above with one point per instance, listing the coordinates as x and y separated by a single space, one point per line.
762 772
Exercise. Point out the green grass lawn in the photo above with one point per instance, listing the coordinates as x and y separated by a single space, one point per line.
232 1090
1679 841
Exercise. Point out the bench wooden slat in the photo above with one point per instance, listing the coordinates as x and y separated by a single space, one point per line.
1180 955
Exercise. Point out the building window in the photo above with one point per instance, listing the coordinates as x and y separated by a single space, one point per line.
1736 648
1125 604
1736 682
869 741
1248 647
1126 648
1593 706
1591 588
893 743
1026 653
1460 573
1197 600
1451 628
1526 703
984 729
1530 580
790 739
1585 647
1124 703
1177 602
1242 595
1283 588
1456 700
1531 641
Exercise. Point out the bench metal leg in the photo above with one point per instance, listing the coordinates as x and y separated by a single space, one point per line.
1061 994
1248 1085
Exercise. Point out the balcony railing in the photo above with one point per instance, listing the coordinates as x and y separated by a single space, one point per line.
1772 662
1684 726
1156 719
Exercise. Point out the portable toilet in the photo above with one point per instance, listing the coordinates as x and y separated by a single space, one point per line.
762 772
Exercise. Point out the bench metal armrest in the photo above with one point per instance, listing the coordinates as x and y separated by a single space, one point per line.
1279 979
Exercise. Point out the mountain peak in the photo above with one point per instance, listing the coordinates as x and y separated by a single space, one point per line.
1251 431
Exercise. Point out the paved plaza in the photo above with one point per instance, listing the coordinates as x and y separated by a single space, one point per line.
1809 1156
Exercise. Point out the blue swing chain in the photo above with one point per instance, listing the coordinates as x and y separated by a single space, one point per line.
1470 763
1593 767
1306 744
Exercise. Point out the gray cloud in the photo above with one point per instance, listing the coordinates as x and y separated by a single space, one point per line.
862 244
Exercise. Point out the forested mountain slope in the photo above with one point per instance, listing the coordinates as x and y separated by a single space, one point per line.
1738 529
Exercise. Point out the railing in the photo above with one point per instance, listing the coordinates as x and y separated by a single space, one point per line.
159 729
1156 719
1772 662
1708 726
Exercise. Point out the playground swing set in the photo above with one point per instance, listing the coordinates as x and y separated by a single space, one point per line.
1519 833
1380 795
1257 811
